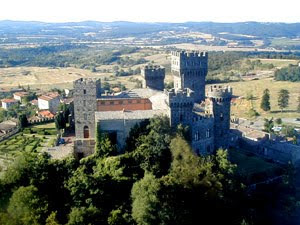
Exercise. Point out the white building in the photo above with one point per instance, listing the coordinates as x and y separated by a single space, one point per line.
7 103
49 101
19 96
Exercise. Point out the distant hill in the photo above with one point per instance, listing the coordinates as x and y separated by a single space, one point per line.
123 28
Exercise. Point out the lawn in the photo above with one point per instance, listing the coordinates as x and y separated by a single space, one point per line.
252 168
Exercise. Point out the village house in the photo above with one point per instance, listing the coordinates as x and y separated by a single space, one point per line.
49 101
7 103
19 96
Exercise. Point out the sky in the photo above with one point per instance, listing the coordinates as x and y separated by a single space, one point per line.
151 10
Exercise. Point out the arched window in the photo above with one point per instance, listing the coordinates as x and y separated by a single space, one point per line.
86 132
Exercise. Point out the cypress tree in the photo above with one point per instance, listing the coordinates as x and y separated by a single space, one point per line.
298 107
283 99
265 102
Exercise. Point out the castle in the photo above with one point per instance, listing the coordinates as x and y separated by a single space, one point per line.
207 113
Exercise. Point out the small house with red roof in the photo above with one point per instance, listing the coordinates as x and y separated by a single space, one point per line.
7 103
19 96
49 101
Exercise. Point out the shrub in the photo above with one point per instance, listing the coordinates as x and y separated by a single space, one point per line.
27 131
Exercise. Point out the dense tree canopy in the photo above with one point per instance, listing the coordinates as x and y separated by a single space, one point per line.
290 73
158 180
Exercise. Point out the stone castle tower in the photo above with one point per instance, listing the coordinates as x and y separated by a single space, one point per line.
153 77
219 107
181 103
86 92
189 70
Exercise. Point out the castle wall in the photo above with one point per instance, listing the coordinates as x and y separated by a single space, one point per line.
202 135
153 77
120 127
123 104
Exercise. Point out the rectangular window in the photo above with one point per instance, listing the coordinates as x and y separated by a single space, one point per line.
111 102
85 116
120 102
129 101
84 103
84 91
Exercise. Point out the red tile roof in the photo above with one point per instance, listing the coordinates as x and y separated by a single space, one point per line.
46 113
8 100
21 94
34 102
49 96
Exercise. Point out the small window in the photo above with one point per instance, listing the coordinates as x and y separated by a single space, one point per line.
84 103
221 117
138 101
111 102
120 102
85 116
103 103
84 91
129 101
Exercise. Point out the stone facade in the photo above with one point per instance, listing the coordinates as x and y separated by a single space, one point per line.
181 103
86 92
189 70
153 77
218 106
117 114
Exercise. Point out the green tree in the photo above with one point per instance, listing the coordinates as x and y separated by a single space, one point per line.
283 99
153 151
23 122
145 201
51 220
85 215
298 105
278 121
26 207
268 125
265 102
103 145
60 122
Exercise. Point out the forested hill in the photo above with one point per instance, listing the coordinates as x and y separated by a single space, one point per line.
123 28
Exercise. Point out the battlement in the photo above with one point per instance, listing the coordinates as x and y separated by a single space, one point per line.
155 67
153 71
153 77
218 91
181 93
86 81
189 54
180 97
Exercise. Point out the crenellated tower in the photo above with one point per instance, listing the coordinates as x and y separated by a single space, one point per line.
86 92
153 77
218 106
181 103
189 70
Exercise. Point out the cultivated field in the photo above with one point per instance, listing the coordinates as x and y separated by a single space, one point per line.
256 88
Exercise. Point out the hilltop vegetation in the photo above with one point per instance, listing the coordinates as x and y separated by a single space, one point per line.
165 183
290 73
